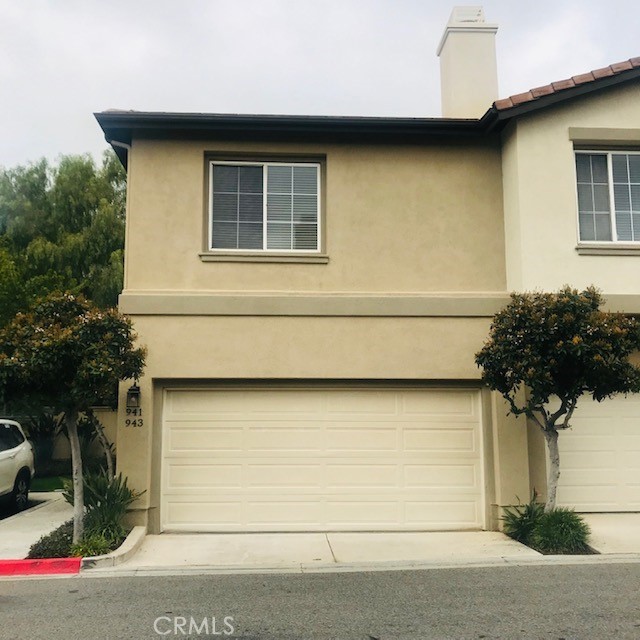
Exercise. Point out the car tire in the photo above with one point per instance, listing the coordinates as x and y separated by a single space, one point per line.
20 493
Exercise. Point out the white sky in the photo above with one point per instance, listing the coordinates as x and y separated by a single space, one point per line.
61 60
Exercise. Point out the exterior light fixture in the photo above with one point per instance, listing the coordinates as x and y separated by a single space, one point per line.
133 397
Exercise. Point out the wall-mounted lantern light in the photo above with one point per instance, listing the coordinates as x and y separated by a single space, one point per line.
133 397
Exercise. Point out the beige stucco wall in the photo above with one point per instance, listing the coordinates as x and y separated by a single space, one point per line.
540 202
398 219
212 349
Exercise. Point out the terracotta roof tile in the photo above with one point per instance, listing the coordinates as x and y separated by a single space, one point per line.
563 84
569 83
522 97
621 66
505 103
583 77
542 91
605 72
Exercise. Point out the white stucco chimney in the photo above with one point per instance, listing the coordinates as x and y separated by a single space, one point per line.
468 70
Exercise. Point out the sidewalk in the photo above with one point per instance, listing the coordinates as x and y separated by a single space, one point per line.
19 532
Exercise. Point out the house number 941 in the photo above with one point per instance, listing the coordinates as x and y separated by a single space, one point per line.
134 418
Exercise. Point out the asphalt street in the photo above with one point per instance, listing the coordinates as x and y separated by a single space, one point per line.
578 602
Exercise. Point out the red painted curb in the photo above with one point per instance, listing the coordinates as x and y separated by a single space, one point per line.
46 566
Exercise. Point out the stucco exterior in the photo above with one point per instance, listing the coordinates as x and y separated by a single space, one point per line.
540 202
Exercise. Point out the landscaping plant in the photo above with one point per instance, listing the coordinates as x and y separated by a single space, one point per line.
106 502
549 349
56 544
520 520
67 354
560 531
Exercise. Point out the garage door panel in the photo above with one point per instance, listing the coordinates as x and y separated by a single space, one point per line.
431 476
347 404
371 476
187 437
435 514
457 403
457 437
282 475
579 460
321 460
210 476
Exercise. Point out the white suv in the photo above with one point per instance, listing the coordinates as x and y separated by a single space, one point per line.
16 464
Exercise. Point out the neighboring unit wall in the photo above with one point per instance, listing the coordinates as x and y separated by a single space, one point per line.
540 200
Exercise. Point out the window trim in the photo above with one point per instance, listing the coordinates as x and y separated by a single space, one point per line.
604 247
268 255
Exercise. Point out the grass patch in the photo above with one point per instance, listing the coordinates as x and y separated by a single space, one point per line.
49 483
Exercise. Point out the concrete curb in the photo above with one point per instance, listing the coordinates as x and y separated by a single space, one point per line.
367 567
127 549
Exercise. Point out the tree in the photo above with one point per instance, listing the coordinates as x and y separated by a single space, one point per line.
67 354
62 228
556 347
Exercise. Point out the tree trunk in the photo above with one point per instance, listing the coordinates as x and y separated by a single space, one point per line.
554 469
71 421
104 443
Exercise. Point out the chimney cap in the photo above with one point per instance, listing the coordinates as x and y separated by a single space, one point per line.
469 19
466 14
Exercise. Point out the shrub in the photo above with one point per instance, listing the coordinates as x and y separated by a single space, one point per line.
106 502
92 545
560 531
56 544
520 520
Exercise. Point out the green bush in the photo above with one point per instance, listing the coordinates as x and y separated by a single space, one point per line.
520 520
56 544
106 502
93 545
560 531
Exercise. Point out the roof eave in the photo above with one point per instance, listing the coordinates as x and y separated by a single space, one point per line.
565 95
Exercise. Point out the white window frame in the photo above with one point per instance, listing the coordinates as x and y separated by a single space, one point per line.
612 205
264 165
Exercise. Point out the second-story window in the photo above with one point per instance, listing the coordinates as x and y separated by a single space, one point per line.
264 206
608 196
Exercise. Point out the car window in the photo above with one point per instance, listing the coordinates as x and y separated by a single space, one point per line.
10 437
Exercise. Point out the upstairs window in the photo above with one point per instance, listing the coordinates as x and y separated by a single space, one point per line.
608 196
264 206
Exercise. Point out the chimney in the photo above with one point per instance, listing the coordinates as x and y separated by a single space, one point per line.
468 70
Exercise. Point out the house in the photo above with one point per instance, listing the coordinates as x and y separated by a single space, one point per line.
312 291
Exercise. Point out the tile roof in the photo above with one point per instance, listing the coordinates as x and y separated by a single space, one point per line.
570 83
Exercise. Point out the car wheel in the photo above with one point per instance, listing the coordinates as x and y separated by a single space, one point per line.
20 495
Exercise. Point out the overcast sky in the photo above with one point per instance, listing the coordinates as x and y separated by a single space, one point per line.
61 60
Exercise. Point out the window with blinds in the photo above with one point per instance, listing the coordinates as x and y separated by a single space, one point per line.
608 196
267 206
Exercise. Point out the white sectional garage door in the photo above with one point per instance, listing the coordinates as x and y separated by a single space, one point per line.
324 459
600 457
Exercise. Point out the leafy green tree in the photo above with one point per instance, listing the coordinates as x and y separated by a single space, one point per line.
67 354
557 347
62 227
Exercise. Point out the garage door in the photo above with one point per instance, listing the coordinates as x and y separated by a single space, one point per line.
326 459
600 457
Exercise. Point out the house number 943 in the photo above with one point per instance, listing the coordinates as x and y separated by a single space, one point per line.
134 418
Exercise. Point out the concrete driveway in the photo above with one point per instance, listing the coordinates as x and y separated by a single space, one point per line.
20 531
319 551
614 532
